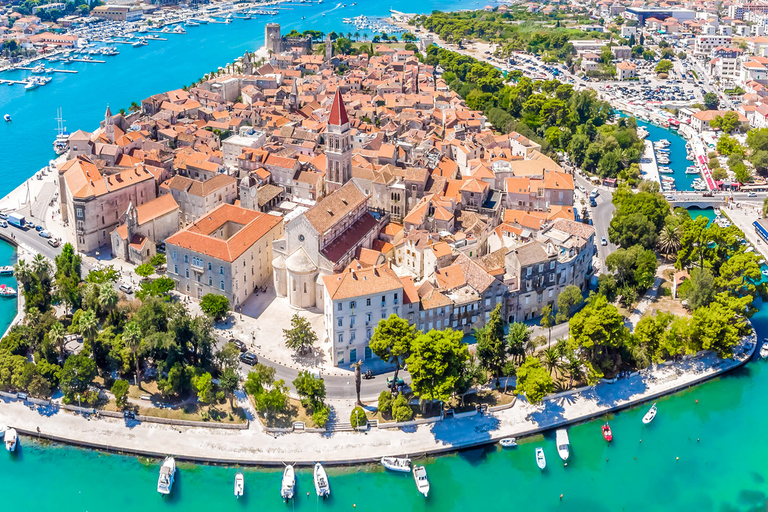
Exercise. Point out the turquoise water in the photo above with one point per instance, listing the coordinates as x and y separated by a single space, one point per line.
724 470
709 213
677 161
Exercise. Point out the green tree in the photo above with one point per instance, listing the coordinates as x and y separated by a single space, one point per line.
401 410
491 350
120 391
156 288
385 402
145 270
358 418
569 299
203 386
78 373
311 389
551 359
663 66
547 322
700 289
711 101
392 339
229 381
157 260
259 379
300 336
215 306
132 340
107 298
89 326
533 381
727 145
598 331
435 363
669 240
56 337
518 336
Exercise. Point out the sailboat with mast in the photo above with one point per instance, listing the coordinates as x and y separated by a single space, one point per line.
61 143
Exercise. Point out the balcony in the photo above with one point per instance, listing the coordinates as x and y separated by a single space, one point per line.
197 268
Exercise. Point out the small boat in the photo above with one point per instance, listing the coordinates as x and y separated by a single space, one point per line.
650 415
7 291
288 486
179 30
399 464
422 482
11 439
7 118
764 349
541 460
508 442
6 270
239 485
691 170
607 434
765 272
322 486
167 473
563 444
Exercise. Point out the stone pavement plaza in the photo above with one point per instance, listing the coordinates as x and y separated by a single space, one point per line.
254 445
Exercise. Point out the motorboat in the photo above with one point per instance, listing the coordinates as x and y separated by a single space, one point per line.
6 270
288 486
239 485
691 170
11 439
541 459
665 170
7 118
650 415
563 444
192 23
508 442
167 474
764 349
322 486
399 464
765 271
607 434
61 142
31 84
422 482
179 30
7 291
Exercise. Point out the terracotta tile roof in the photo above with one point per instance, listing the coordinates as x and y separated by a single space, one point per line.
359 281
84 179
335 207
450 278
199 237
338 114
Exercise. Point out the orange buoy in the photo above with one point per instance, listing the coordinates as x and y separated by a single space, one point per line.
677 458
697 400
561 497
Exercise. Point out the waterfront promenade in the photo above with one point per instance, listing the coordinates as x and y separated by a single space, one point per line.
650 170
255 446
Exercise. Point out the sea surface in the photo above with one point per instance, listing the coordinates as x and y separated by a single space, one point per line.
704 456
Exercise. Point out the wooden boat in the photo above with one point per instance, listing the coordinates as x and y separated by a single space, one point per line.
422 482
288 486
541 460
607 434
322 486
239 485
399 464
650 415
508 442
11 439
563 444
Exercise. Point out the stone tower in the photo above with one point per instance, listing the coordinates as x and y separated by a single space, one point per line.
109 126
338 146
247 64
328 48
249 193
272 38
131 226
293 98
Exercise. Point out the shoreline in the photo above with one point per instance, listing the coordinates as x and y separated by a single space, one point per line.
358 448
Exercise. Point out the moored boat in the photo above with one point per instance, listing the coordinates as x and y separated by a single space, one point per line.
650 414
508 442
399 464
563 444
607 434
422 482
322 486
288 485
7 118
541 459
764 349
167 474
239 485
6 270
7 291
11 439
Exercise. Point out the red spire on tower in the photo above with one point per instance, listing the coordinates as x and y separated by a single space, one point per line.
338 110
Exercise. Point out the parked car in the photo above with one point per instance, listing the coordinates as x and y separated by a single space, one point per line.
4 216
52 242
3 224
249 358
708 193
38 228
603 241
125 288
751 194
43 233
239 344
583 189
400 381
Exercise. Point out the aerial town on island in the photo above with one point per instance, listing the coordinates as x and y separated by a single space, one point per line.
338 233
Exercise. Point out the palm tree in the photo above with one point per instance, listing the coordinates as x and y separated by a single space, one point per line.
551 359
134 107
23 272
107 297
89 325
573 366
358 381
517 337
669 240
357 36
56 337
132 340
40 266
547 321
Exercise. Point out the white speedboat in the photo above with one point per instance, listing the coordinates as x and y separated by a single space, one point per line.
179 30
541 460
288 486
167 474
422 482
508 442
6 270
399 464
650 415
7 118
11 439
563 444
239 485
322 486
764 349
7 291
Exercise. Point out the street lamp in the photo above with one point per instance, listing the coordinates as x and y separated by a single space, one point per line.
78 400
